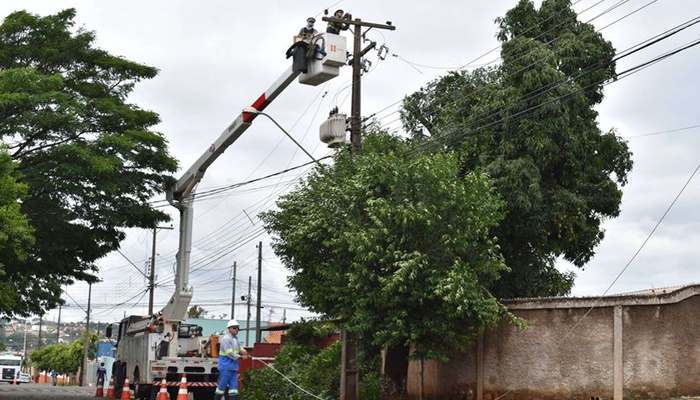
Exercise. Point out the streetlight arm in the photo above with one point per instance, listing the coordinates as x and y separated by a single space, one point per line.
254 111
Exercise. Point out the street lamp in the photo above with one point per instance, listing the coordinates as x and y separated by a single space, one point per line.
255 111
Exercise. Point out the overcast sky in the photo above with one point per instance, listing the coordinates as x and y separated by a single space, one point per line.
216 57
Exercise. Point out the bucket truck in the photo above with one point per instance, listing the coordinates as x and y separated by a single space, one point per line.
153 347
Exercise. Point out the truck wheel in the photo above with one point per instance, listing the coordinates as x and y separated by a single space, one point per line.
202 393
142 390
154 392
118 371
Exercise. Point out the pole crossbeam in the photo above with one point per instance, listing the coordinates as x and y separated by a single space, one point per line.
357 54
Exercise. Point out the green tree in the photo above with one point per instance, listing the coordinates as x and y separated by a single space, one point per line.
196 311
64 358
396 243
530 123
16 235
315 370
312 368
88 158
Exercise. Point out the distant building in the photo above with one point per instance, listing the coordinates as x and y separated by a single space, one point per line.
106 349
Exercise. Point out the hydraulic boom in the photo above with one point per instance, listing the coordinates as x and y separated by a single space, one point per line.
181 194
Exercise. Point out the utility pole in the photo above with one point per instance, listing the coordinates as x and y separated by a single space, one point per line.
86 342
233 293
24 345
258 331
357 54
41 320
247 323
58 325
350 375
152 275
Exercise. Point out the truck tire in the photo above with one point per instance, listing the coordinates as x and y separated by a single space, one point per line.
202 393
145 392
142 390
119 372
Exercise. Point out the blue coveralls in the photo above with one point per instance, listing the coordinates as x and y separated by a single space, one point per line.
229 353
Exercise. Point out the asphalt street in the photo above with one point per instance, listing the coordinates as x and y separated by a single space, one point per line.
42 391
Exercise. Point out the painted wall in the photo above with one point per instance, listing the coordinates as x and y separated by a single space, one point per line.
637 346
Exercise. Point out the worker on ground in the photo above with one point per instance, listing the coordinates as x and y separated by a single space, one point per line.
101 373
54 378
336 27
230 352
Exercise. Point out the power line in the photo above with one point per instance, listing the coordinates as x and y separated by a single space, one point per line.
440 140
525 53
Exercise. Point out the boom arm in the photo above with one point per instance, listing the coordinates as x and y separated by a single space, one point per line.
181 195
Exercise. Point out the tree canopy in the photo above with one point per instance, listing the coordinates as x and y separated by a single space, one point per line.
395 242
87 158
64 358
530 123
196 311
16 235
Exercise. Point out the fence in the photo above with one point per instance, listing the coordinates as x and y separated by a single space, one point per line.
640 345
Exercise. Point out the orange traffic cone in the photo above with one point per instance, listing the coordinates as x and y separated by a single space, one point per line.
110 389
100 392
126 392
182 392
163 394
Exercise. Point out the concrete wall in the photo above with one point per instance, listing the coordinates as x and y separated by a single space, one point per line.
637 346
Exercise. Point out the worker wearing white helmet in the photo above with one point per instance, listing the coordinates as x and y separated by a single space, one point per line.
230 352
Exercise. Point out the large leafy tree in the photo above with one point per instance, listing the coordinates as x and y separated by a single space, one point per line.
531 124
396 243
88 158
16 235
64 358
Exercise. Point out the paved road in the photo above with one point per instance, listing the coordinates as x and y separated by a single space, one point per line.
42 391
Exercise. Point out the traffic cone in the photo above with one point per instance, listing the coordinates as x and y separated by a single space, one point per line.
126 392
182 392
110 389
100 392
163 394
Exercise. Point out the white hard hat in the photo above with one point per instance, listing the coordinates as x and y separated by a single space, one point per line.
231 323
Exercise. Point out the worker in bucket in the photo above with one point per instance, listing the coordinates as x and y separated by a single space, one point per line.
307 32
336 27
301 46
230 352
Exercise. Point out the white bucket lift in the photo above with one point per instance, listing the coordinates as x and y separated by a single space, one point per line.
324 67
